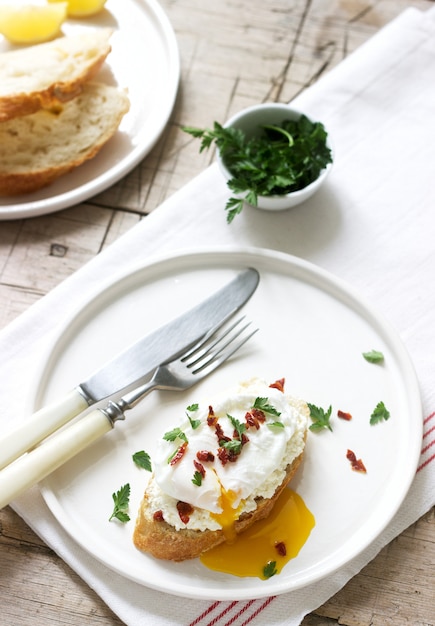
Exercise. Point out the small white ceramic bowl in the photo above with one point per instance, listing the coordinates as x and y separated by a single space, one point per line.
250 121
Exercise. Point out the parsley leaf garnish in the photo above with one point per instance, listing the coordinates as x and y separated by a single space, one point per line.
278 160
175 433
194 423
142 459
234 206
263 405
380 413
197 479
238 426
121 500
275 424
235 445
270 570
374 356
319 417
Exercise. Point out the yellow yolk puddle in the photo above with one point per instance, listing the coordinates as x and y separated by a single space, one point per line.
247 554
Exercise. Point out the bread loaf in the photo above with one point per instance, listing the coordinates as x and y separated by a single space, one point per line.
179 518
43 75
38 148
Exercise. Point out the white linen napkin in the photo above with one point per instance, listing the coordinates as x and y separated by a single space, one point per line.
373 225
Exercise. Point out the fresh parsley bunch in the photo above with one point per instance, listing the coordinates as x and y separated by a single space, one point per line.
279 160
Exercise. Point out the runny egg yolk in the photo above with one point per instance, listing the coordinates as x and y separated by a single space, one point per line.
266 546
228 515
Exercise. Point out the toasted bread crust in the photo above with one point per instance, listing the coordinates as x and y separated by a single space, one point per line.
164 542
41 76
36 149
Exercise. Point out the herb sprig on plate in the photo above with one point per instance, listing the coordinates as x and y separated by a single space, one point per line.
279 160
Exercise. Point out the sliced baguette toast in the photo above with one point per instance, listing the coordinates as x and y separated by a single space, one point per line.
177 521
164 542
43 75
38 148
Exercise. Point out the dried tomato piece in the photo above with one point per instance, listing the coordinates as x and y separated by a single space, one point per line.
344 416
185 510
220 434
251 421
205 456
278 384
179 454
259 414
356 464
158 516
280 548
211 417
244 439
223 455
255 417
199 467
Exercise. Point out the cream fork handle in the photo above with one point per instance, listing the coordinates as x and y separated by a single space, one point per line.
41 424
34 466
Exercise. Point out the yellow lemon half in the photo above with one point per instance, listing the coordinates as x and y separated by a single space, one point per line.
82 8
31 24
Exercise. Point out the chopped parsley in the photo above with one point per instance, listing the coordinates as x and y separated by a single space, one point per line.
197 479
281 159
263 405
320 418
191 409
380 413
238 426
121 501
234 446
275 424
374 356
142 459
175 433
270 570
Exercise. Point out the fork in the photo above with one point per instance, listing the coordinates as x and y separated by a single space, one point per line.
178 375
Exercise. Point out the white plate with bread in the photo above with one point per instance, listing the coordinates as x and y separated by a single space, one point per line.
313 331
77 126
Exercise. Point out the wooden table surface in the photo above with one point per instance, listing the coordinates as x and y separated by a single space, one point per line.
233 53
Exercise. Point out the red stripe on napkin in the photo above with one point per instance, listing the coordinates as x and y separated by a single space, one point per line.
204 614
429 435
240 612
259 610
225 619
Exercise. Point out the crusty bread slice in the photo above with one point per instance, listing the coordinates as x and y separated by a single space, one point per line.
45 74
164 542
36 149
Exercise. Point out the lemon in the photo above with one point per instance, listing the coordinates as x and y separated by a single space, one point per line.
82 8
31 24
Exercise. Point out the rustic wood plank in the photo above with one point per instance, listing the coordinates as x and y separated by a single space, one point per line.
37 588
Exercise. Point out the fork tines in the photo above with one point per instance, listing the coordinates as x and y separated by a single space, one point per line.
216 347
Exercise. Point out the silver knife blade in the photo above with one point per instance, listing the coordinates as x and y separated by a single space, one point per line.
170 340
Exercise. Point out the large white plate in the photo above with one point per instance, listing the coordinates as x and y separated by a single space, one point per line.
145 60
313 330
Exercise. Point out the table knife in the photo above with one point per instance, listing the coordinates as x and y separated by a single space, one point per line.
131 365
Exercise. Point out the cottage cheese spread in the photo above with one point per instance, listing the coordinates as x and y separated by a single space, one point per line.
270 440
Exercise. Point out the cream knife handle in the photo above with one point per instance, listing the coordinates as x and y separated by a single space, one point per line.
41 424
40 462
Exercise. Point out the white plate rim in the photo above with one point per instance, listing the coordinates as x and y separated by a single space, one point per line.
236 256
119 169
